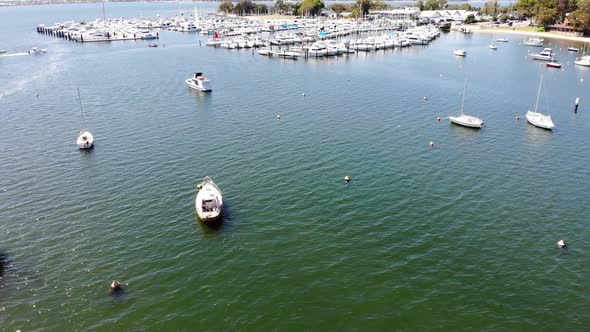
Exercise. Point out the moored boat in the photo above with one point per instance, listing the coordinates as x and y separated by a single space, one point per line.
466 120
209 201
583 61
493 47
502 40
546 55
537 119
460 52
535 42
572 49
553 64
199 82
85 139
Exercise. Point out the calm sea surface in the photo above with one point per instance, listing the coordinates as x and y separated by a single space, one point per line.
456 237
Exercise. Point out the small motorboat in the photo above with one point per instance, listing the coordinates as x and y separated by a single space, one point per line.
36 50
572 49
265 52
199 82
288 55
502 40
2 51
535 42
85 139
546 55
209 202
153 45
553 64
460 52
493 47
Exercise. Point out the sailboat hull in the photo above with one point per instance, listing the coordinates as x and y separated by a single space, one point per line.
467 121
540 120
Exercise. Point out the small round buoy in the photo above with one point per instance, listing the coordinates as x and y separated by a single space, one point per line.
303 94
561 244
200 186
431 144
518 118
347 178
36 95
438 118
278 116
425 98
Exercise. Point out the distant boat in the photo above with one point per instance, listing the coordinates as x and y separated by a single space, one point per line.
209 202
265 52
583 61
546 55
553 64
502 40
535 42
153 45
493 47
537 119
36 50
2 51
288 55
85 139
460 52
572 49
199 82
466 120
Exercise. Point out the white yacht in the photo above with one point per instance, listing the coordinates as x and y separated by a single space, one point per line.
537 119
583 61
546 55
493 47
502 40
209 202
85 139
288 55
460 52
466 120
535 42
265 52
199 82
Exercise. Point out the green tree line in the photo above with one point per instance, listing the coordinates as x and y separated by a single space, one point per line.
548 12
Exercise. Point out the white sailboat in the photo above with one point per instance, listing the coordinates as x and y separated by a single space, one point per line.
209 202
85 139
466 120
537 119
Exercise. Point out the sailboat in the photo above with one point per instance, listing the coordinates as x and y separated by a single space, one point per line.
85 139
466 120
537 119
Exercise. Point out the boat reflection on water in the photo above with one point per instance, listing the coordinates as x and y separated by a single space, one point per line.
537 136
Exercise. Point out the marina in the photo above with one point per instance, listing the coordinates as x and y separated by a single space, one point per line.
346 204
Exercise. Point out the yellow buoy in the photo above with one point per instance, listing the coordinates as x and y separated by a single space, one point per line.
347 178
438 118
199 186
518 118
431 144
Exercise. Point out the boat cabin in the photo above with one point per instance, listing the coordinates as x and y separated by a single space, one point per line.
209 205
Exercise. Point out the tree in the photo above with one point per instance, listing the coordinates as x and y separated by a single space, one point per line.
581 17
470 19
339 8
363 7
282 8
225 7
435 4
420 4
244 7
261 9
311 7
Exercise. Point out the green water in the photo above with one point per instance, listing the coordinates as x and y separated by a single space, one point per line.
460 236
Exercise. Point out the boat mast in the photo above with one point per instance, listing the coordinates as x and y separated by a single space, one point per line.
81 108
463 100
539 93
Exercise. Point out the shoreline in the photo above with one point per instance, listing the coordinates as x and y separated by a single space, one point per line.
554 35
